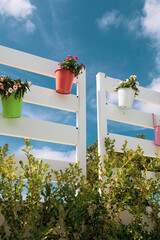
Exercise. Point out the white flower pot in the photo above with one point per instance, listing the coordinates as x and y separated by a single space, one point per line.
125 97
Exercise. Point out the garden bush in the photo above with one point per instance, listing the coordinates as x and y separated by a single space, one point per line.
91 208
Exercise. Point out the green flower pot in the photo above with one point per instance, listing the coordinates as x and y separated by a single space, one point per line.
11 107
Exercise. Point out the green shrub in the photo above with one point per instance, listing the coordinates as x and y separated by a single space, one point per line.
79 208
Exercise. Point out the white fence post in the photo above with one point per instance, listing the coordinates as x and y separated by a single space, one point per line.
81 121
101 120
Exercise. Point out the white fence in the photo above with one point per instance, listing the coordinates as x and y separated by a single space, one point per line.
42 130
108 111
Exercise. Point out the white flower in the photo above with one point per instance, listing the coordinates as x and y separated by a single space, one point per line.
15 87
127 80
10 90
121 82
137 83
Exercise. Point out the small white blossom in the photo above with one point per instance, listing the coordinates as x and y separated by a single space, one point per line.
127 80
10 90
137 83
15 87
120 82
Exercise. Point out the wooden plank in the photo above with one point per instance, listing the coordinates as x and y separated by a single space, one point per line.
132 116
29 62
39 130
145 94
147 145
54 164
49 98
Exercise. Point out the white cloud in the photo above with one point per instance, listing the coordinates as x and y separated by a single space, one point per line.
30 26
111 98
155 84
27 112
20 10
16 8
151 20
113 18
48 153
145 23
151 25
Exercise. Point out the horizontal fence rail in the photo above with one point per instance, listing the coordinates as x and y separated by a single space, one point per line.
132 116
43 130
55 165
49 98
147 145
39 130
107 111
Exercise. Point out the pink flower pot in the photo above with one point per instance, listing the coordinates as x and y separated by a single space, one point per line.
156 131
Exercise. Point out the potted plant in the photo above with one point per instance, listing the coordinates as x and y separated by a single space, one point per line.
12 92
127 90
68 69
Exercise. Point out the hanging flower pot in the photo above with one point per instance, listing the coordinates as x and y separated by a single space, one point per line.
125 97
126 91
69 69
12 92
156 131
64 81
11 107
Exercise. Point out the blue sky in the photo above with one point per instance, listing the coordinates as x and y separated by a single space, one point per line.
119 38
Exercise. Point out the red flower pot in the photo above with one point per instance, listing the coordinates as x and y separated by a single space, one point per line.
64 80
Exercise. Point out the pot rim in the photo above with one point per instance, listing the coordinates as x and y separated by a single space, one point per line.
64 69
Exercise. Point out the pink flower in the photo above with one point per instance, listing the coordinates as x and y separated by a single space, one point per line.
76 58
10 90
59 64
69 57
15 87
83 66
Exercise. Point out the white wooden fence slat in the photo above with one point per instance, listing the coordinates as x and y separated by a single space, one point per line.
147 145
54 164
134 117
39 130
29 62
49 98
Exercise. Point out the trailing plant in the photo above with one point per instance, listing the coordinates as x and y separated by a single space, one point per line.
130 82
79 208
71 63
9 86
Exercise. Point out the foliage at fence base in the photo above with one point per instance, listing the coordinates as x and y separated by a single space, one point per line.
78 208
